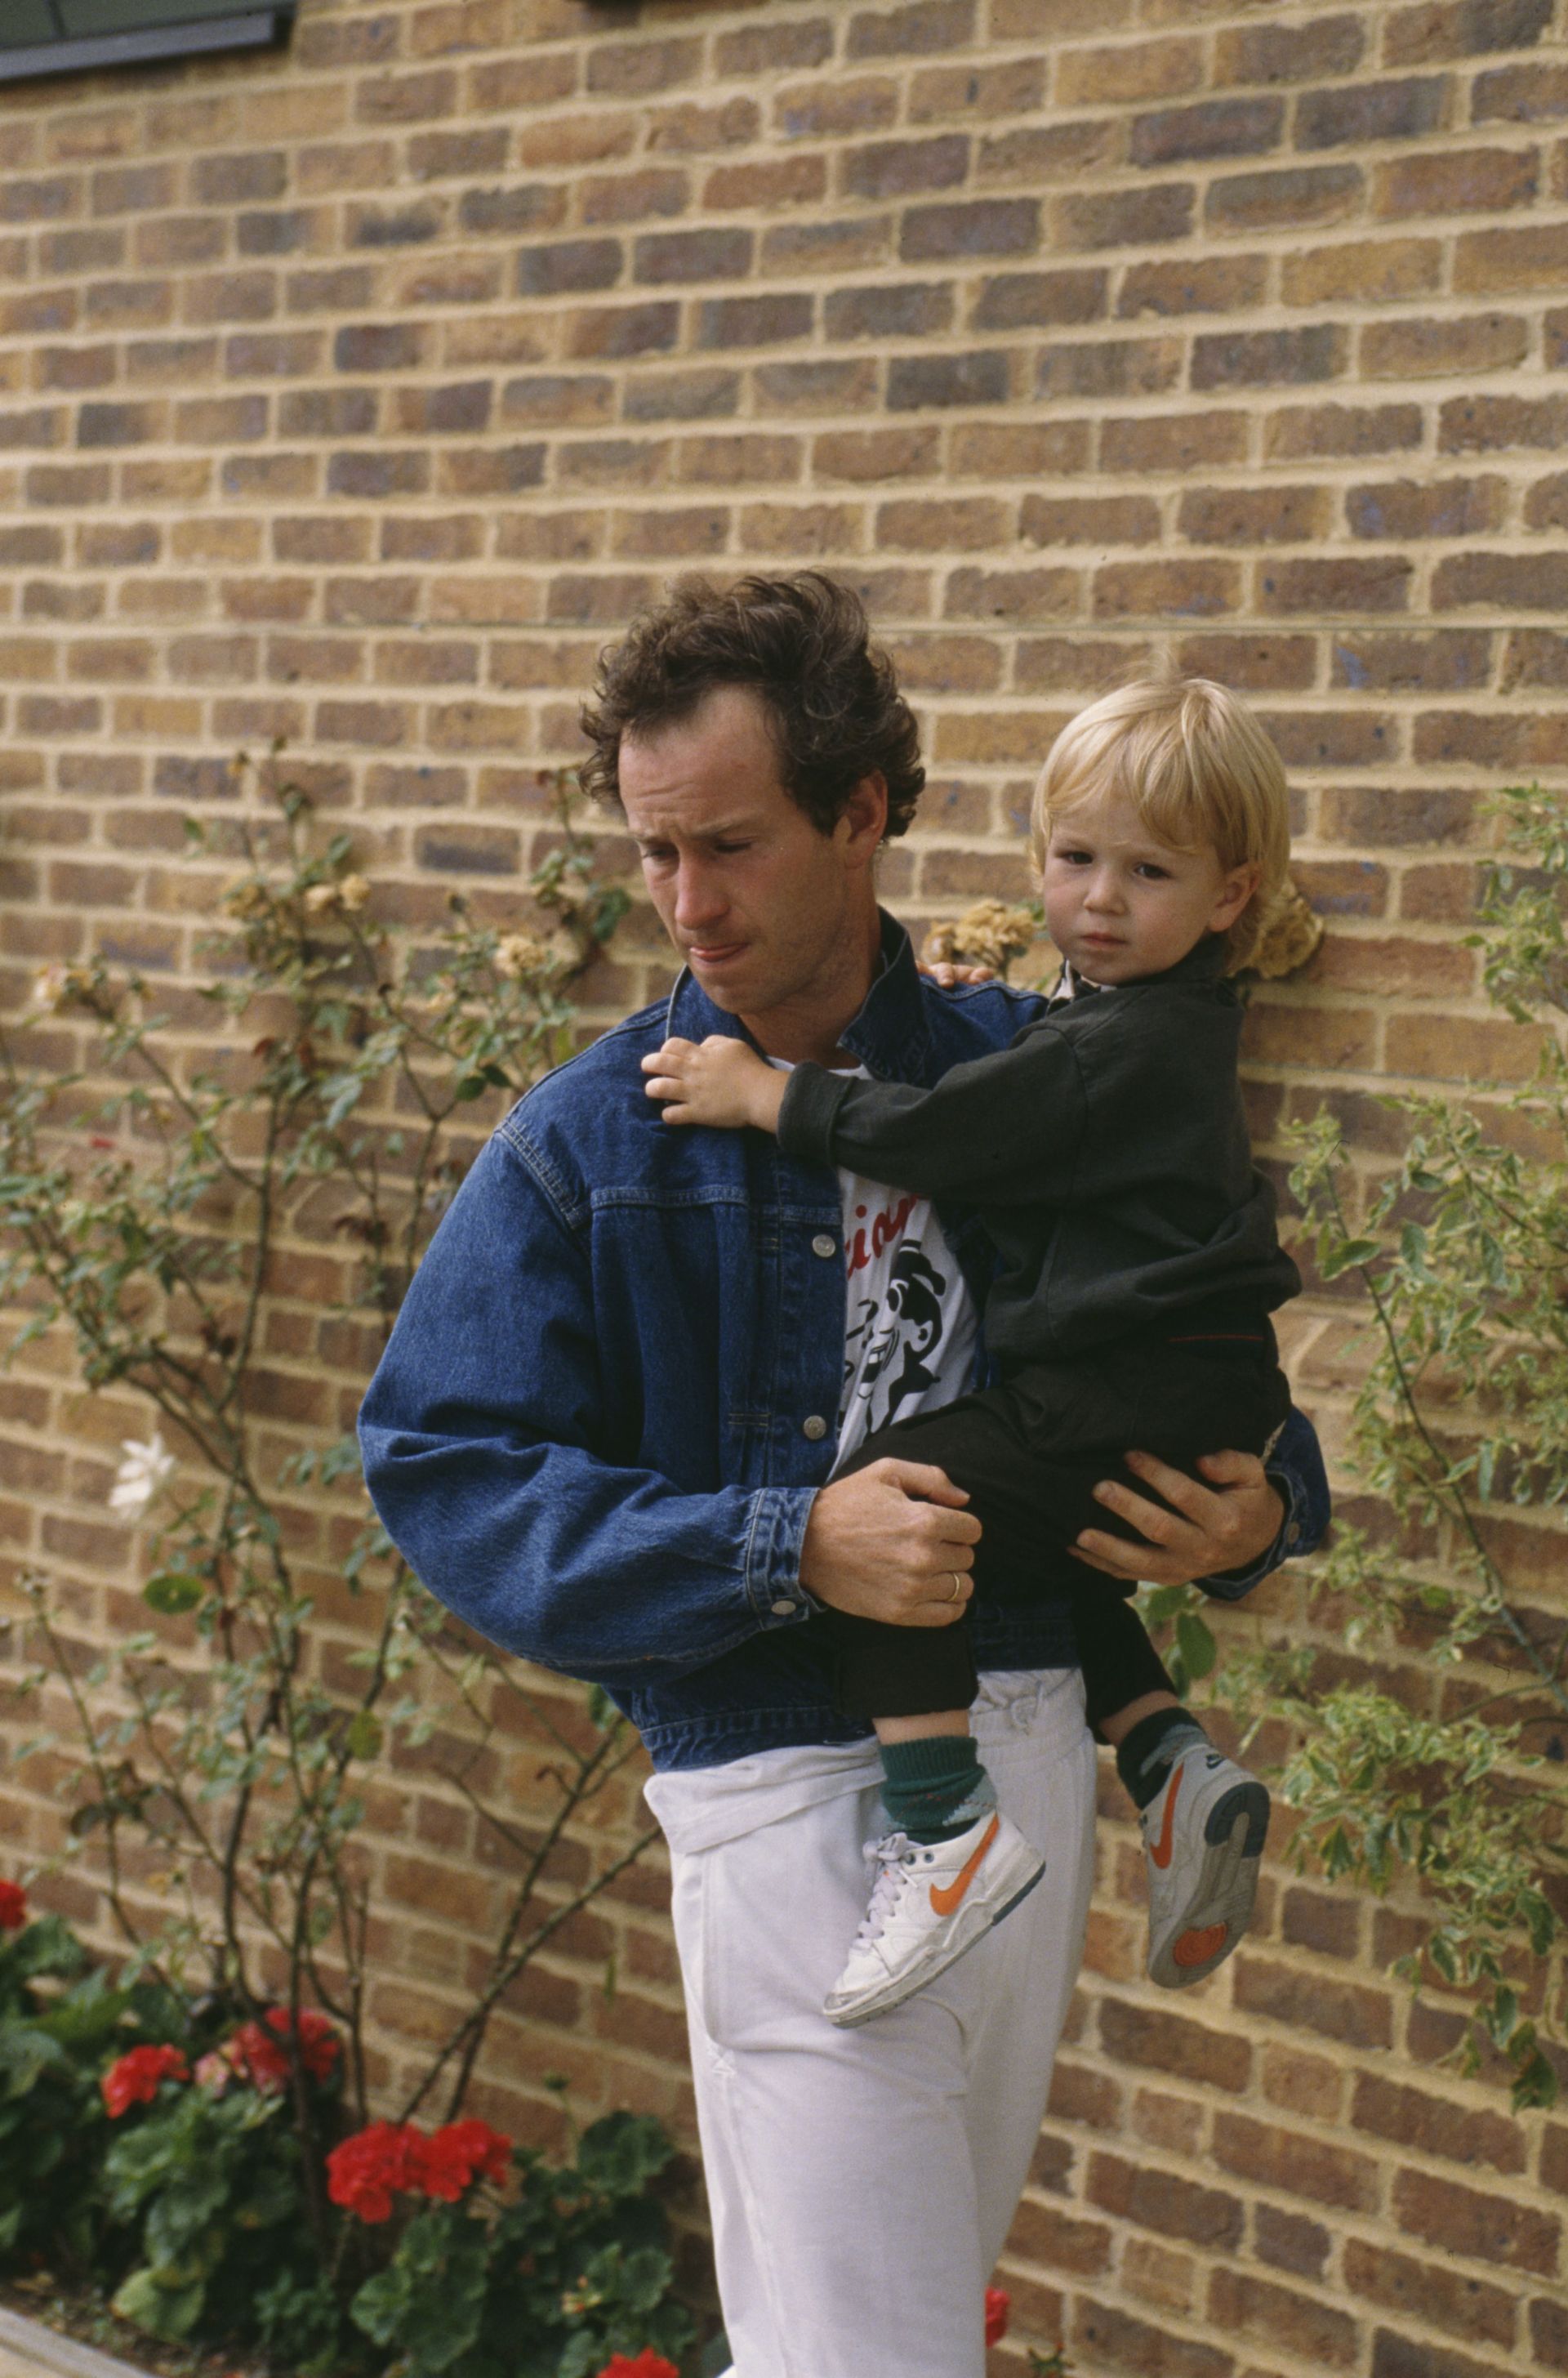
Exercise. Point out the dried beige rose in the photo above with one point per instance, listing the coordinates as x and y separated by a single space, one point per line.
990 934
518 954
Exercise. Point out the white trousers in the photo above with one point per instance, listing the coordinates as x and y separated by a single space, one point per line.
862 2183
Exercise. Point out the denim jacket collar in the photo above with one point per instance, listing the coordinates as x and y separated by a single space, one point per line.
889 1035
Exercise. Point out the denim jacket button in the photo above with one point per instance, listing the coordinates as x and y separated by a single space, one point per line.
814 1426
823 1245
782 1609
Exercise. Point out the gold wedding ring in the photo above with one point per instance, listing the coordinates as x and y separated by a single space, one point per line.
957 1593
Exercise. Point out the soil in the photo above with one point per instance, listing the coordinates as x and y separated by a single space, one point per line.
77 2312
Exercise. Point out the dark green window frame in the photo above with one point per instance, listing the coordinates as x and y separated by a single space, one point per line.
52 37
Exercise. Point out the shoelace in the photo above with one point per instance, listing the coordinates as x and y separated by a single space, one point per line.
888 1856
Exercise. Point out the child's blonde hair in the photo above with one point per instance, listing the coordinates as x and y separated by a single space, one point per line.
1197 769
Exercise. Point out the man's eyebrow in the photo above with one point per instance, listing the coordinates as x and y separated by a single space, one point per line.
725 830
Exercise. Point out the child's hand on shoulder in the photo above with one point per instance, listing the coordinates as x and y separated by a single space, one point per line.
719 1081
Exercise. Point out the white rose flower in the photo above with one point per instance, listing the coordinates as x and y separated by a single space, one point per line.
139 1476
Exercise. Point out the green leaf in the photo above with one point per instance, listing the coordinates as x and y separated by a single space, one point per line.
1347 1256
148 2303
172 1592
1198 1650
366 1734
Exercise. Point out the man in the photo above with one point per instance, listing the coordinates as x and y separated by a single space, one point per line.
603 1432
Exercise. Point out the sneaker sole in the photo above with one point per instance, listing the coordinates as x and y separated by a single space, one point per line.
1220 1907
851 2018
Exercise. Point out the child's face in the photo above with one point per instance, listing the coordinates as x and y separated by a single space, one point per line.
1119 904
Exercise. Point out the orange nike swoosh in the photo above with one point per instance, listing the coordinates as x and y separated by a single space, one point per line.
945 1897
1162 1850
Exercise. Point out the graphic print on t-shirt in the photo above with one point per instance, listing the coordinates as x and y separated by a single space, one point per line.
909 1320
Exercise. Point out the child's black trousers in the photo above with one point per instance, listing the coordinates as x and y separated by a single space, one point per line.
1031 1452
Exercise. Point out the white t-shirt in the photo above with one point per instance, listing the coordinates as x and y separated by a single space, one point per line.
910 1323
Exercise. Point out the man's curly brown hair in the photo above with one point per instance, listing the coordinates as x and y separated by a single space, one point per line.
803 645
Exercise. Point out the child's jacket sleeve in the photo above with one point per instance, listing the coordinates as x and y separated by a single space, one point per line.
1002 1128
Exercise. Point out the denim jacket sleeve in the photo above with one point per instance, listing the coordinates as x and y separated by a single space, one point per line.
478 1432
1295 1469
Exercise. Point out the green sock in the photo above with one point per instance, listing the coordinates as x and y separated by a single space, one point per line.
1147 1754
935 1786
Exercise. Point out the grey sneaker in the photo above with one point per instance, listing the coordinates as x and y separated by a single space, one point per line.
1204 1832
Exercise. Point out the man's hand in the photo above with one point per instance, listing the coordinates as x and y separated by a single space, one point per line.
1230 1524
887 1542
718 1081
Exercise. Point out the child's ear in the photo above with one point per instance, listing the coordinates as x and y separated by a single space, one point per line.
1234 894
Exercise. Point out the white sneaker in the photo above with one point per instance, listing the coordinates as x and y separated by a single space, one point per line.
1204 1832
930 1902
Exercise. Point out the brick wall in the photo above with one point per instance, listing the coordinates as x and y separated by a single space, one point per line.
359 394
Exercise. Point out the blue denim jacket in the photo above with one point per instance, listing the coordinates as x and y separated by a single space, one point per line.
612 1388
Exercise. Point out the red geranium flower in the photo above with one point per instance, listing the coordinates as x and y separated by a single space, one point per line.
366 2172
133 2079
458 2154
256 2054
13 1907
999 2308
648 2364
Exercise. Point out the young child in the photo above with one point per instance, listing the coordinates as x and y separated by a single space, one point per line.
1106 1154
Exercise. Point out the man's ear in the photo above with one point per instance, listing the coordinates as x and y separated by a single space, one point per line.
863 821
1234 894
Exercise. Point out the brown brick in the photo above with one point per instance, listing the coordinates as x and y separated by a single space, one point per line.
1135 218
1476 424
1468 181
1529 582
1242 2305
633 198
1533 256
682 396
1215 127
1254 663
898 310
1447 660
1334 584
617 331
1163 2201
1405 509
1019 597
915 29
1040 154
1375 111
1179 443
1252 516
1485 2229
1109 367
872 455
1396 819
1197 285
1025 300
1402 2357
1549 2333
768 49
1431 2292
1134 72
1435 30
1364 269
933 526
1266 53
1290 2242
1333 429
1294 2164
895 168
1120 2342
1268 358
775 182
1289 200
568 264
759 321
1010 449
635 70
1342 2010
974 227
1089 520
1171 2043
1521 94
